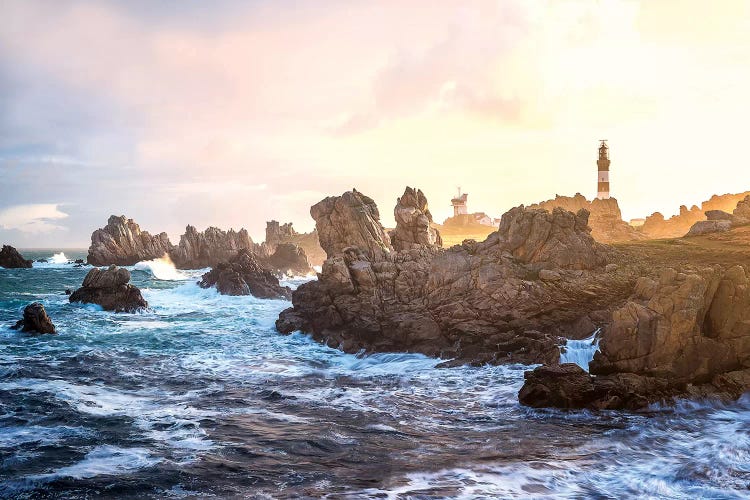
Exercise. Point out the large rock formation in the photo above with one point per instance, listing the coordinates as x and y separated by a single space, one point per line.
121 242
479 302
350 220
719 221
197 250
110 288
681 333
277 234
605 217
11 259
35 320
288 259
656 226
243 275
413 222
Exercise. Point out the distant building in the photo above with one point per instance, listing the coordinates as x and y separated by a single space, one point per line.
602 176
459 204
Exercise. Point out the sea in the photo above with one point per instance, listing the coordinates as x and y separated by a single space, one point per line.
200 397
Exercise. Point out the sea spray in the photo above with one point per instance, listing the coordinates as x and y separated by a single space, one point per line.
580 352
58 258
162 268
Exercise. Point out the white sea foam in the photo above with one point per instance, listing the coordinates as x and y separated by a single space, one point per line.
162 268
58 258
580 352
105 460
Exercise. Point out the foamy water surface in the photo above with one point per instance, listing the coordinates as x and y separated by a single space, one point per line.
200 396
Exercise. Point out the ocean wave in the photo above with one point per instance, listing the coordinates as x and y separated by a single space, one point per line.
162 268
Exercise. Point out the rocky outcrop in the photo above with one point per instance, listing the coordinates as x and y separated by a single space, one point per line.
709 226
605 217
277 234
413 222
742 210
288 259
243 275
110 288
121 242
11 259
681 333
197 250
478 302
350 220
35 320
719 221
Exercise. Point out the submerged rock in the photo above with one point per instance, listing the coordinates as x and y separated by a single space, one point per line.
243 275
11 259
110 288
121 242
35 320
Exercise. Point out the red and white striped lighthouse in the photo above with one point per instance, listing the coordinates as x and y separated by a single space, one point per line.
602 176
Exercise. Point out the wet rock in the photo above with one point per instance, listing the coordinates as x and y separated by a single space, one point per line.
110 288
413 222
289 259
79 261
35 320
11 259
561 386
243 275
121 242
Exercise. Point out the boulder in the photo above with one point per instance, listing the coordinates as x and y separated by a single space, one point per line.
413 222
197 250
11 259
350 220
709 226
35 320
121 242
289 259
243 275
719 215
110 288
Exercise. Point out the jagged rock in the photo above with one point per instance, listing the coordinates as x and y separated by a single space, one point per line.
289 258
709 226
243 275
110 288
350 220
11 259
474 302
121 242
681 333
413 222
719 215
197 250
35 320
742 211
605 218
284 233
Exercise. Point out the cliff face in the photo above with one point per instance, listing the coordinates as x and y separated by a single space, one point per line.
121 242
503 300
414 226
605 217
277 234
656 226
197 250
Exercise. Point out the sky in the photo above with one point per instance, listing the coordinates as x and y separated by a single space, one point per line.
234 113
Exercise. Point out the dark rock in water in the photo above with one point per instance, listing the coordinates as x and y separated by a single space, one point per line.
289 258
561 386
79 261
42 261
210 247
10 258
35 320
110 288
121 242
243 275
284 233
68 291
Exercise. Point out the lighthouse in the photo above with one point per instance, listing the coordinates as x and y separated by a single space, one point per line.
602 175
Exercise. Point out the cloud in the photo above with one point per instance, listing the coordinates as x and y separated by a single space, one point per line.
33 218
